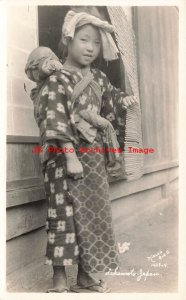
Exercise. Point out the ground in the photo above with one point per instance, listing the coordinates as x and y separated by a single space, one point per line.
152 238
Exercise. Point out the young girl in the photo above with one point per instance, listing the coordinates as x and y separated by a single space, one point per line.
79 222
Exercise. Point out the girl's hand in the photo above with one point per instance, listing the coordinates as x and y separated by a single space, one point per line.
74 168
129 100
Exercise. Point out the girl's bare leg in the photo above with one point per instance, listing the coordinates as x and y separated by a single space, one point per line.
59 278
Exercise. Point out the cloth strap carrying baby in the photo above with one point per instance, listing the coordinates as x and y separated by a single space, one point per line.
115 164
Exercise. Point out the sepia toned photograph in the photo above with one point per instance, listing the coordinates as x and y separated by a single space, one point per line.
92 194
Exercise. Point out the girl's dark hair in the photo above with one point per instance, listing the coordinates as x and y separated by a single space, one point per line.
62 51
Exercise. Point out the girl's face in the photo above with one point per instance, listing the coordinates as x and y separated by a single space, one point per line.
85 46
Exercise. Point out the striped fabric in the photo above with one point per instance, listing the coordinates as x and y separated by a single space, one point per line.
133 135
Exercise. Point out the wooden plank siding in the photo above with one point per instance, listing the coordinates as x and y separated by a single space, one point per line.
157 47
156 29
25 218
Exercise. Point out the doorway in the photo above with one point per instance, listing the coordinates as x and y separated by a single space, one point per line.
50 21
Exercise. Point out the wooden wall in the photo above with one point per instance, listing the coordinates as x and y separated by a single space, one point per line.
157 46
26 213
156 30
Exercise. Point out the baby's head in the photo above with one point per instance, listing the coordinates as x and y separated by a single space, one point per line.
85 36
35 61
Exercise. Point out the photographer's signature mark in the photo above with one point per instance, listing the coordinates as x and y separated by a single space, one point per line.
156 261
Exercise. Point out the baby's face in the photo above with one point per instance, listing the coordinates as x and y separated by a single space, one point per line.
85 46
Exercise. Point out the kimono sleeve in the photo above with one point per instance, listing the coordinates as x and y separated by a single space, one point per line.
112 109
111 98
58 121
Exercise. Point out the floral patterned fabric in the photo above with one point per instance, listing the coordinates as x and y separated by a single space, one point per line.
89 217
62 247
53 105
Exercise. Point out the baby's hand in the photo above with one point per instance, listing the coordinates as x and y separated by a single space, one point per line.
48 66
74 168
129 100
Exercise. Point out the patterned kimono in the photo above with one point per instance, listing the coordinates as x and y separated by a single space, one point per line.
79 222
